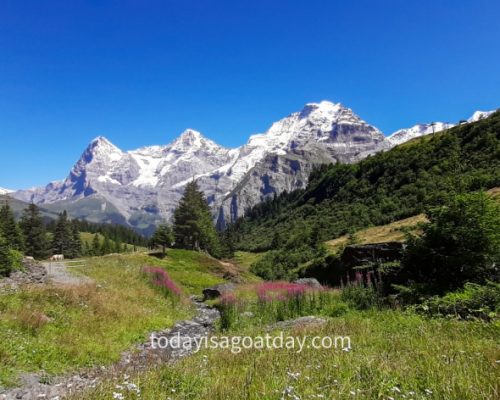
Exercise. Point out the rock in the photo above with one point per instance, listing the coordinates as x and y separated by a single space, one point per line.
310 282
298 323
216 291
32 273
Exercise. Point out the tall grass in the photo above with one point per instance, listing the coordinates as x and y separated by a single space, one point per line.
276 301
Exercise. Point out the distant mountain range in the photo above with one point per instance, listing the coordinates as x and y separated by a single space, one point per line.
142 187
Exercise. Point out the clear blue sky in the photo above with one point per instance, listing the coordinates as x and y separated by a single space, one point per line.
140 72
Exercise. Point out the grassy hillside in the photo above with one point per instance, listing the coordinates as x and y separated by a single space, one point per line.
381 189
57 329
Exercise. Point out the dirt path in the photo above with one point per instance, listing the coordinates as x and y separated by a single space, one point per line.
60 273
141 358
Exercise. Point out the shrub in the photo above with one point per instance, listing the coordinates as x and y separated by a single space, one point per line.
460 244
473 301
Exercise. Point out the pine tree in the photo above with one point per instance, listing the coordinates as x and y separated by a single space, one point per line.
9 228
5 259
193 225
106 246
87 250
163 237
76 247
118 246
34 233
61 242
96 245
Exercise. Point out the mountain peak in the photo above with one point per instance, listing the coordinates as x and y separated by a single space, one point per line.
478 115
323 107
101 148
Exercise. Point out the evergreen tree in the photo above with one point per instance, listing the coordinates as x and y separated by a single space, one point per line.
193 225
163 237
87 250
106 246
117 246
5 259
96 245
34 233
62 240
76 242
9 228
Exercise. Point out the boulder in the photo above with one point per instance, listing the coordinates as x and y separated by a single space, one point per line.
310 282
217 291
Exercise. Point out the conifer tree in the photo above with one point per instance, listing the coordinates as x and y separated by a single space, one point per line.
76 247
163 237
193 225
106 246
35 237
5 259
9 228
62 240
96 245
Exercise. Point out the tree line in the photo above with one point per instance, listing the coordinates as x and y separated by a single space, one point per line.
32 237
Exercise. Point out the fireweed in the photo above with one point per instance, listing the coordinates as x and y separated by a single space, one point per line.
160 279
275 301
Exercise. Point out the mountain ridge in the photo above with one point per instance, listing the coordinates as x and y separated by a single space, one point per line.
144 185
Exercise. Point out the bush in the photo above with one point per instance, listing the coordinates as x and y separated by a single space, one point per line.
360 296
460 244
473 301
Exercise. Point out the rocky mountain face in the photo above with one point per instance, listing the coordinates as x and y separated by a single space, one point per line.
142 187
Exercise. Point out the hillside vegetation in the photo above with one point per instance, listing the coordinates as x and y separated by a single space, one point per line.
381 189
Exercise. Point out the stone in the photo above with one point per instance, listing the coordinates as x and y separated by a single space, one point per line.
310 282
217 291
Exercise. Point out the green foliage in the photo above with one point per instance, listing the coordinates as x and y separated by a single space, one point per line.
5 257
96 245
285 263
473 301
9 228
35 238
383 188
163 237
62 237
361 297
193 226
461 243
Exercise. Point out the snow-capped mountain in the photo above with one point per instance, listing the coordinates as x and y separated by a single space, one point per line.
5 191
403 135
480 115
142 187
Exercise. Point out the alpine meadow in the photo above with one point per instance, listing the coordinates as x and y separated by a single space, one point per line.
337 253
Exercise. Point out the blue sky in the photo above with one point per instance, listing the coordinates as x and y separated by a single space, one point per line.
140 72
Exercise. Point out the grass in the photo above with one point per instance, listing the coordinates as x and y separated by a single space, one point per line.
245 258
394 355
393 232
59 329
